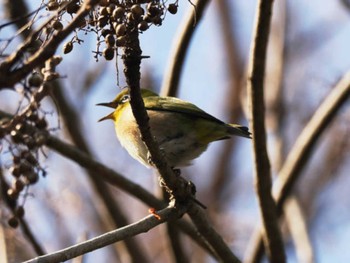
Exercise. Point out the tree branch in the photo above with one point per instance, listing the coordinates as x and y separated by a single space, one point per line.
118 180
142 226
302 149
181 46
272 236
9 77
210 236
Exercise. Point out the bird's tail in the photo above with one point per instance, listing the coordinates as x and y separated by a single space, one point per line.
239 130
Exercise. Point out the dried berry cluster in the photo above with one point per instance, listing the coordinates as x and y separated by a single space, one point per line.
113 20
25 140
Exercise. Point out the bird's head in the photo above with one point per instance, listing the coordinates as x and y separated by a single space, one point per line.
121 102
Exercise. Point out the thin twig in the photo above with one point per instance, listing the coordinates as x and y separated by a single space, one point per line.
72 123
181 46
142 226
9 78
208 233
298 230
234 65
272 236
176 244
112 177
28 233
118 180
302 150
178 187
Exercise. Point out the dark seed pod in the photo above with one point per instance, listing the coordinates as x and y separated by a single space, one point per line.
153 10
32 177
19 212
16 136
157 20
30 142
32 115
15 171
2 133
110 9
12 194
67 47
105 32
56 60
31 159
108 53
104 2
172 8
120 30
121 41
20 127
118 13
13 222
41 124
35 80
16 159
18 185
103 11
147 18
110 40
25 167
34 46
137 11
72 8
143 25
102 21
40 138
52 6
57 25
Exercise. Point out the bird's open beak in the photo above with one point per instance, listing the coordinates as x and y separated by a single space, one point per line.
110 105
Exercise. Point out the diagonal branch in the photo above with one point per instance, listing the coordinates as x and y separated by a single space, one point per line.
8 78
209 234
272 236
185 34
111 237
302 149
179 188
118 180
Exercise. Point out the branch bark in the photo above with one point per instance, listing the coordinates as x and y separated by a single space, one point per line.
185 33
263 182
9 77
111 237
302 149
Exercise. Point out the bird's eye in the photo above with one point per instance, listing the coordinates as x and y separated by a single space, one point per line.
124 99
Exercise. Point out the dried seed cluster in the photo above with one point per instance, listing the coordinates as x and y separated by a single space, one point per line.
113 20
25 139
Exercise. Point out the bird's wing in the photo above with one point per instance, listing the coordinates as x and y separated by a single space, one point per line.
172 104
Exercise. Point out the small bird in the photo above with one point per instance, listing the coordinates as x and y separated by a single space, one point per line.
182 130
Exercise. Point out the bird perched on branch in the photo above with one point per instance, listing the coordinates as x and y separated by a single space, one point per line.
182 130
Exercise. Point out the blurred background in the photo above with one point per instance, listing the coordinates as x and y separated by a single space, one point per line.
308 54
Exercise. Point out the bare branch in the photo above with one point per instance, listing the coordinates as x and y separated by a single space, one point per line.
142 226
118 180
302 149
272 236
298 229
207 232
231 99
8 78
180 49
28 233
